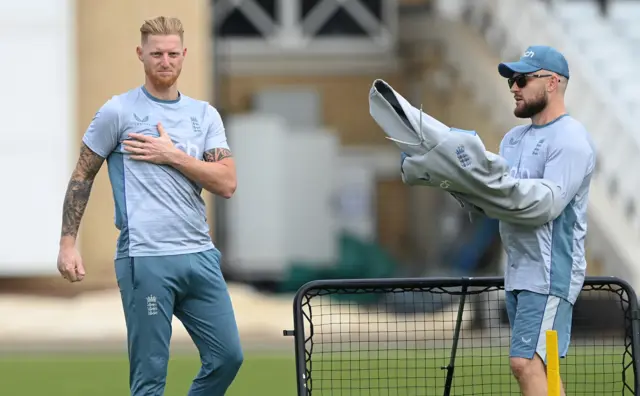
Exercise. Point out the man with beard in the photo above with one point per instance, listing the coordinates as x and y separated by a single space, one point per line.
162 147
546 265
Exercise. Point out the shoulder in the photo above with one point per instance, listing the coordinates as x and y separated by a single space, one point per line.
208 112
570 139
129 97
571 134
573 126
111 106
114 105
108 113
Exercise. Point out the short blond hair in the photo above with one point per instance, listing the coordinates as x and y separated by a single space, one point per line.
161 26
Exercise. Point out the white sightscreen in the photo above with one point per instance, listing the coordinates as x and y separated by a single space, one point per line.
38 111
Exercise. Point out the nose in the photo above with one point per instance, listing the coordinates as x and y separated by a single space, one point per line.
165 60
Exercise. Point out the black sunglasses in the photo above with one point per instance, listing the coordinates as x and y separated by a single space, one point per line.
521 79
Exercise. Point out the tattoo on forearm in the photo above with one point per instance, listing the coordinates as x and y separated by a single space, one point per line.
217 154
78 190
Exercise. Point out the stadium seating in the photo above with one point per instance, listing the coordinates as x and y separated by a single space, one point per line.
602 94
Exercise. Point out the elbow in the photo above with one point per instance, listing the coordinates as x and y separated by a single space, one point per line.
229 189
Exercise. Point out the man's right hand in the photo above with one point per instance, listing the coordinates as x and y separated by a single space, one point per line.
70 264
75 202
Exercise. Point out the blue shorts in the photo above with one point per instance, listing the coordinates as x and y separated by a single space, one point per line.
530 316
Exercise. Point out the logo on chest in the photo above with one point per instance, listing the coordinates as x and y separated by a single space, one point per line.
195 125
536 149
527 161
141 121
528 167
189 147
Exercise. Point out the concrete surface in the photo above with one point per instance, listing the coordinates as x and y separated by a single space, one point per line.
94 321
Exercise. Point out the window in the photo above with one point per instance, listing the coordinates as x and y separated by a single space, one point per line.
304 23
251 18
351 19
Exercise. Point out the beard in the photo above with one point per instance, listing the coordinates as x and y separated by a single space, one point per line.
162 81
531 108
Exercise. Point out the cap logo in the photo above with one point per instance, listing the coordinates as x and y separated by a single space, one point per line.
529 54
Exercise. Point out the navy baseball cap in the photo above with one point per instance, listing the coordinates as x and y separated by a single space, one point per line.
536 57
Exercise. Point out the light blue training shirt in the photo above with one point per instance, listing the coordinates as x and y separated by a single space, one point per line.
158 211
550 259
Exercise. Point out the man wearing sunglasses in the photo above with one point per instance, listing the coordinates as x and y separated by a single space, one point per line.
546 265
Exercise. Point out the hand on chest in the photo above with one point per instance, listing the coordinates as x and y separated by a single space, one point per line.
185 131
526 156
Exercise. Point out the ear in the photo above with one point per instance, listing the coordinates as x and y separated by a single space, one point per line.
139 53
554 83
184 52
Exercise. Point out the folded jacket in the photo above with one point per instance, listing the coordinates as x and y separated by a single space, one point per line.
457 161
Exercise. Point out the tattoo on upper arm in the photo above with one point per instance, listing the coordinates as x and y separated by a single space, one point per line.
217 154
79 189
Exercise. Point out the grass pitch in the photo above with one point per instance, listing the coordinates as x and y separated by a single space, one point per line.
479 372
108 375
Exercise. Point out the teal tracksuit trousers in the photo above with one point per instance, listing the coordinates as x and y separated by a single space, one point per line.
191 287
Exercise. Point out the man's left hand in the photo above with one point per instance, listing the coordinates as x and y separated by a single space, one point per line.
158 150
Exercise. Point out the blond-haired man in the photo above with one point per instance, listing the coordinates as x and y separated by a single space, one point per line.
162 147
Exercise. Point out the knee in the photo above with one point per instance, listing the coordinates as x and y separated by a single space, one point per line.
228 361
521 367
156 367
234 358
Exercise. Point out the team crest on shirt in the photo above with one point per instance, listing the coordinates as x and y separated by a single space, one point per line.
536 150
195 125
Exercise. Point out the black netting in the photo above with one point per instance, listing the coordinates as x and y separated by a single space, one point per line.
402 337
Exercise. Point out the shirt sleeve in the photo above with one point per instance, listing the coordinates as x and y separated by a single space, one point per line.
569 161
216 135
103 134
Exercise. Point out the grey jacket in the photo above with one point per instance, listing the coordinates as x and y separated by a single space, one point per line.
456 161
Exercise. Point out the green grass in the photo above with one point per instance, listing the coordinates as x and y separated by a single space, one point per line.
107 375
590 371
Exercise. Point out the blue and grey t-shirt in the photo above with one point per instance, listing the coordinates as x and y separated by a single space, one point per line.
550 259
157 210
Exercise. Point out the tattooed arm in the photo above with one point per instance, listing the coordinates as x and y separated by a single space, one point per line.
78 191
99 140
216 174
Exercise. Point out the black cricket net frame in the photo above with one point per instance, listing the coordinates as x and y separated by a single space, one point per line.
464 355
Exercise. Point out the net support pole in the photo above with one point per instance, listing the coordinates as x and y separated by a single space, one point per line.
553 364
454 344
